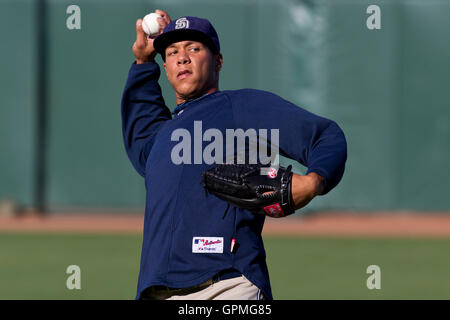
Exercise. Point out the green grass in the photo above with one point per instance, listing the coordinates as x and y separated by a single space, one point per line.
335 268
33 266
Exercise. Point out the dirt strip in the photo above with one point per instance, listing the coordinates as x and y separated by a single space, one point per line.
324 224
373 225
98 223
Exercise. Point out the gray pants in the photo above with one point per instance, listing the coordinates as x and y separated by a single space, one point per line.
239 288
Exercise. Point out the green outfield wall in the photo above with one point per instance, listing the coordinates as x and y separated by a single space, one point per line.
387 88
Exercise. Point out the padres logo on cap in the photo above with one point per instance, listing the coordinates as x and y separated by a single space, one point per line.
182 23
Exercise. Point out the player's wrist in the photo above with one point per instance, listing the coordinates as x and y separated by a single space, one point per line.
150 58
140 61
317 184
305 188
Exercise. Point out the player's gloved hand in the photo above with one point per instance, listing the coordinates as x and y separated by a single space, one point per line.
143 48
243 186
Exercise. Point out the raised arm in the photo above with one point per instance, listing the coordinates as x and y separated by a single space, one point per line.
143 107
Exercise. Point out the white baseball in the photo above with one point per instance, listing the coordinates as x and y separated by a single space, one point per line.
150 24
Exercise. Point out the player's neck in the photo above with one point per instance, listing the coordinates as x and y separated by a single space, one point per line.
182 99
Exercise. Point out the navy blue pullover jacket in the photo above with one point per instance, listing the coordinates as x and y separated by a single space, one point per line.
177 208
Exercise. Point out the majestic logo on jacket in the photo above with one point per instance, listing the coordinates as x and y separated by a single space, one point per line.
207 245
238 146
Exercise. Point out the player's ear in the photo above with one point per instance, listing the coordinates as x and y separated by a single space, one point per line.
165 68
218 61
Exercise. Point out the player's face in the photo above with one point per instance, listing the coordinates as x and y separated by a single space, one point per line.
192 69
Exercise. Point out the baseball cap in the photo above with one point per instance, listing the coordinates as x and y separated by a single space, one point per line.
187 28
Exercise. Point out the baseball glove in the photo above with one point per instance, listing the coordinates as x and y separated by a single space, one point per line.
244 186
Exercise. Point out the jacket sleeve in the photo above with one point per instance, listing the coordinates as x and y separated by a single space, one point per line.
315 142
143 112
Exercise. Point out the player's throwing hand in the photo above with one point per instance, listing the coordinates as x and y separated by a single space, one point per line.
143 48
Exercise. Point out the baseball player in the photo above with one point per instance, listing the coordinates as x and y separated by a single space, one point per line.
208 245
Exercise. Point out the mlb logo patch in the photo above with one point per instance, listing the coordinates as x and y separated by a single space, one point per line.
207 244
